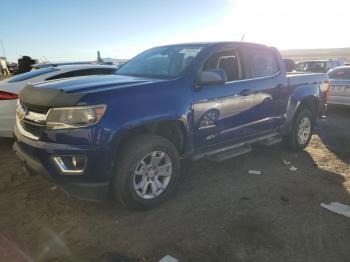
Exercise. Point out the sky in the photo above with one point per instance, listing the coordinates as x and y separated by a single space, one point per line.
73 30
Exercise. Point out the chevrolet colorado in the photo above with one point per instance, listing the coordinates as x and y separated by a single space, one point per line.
125 135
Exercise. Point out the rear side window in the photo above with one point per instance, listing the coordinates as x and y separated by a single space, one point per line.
226 60
262 62
31 74
341 73
84 72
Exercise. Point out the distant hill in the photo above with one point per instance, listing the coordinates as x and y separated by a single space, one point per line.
325 53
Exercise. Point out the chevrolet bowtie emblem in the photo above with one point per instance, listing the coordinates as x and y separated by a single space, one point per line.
21 113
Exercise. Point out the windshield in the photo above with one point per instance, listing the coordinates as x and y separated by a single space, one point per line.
161 62
31 74
312 66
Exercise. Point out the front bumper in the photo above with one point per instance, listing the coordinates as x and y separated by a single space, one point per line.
93 184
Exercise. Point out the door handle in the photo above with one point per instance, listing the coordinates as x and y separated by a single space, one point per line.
246 92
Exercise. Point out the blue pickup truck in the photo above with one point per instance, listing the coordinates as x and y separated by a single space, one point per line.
125 135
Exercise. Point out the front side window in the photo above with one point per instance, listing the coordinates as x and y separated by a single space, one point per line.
263 62
161 62
226 60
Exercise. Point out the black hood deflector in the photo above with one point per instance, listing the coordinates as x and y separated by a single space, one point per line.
49 97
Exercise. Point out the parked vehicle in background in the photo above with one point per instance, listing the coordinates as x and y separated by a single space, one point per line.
10 87
13 68
126 134
318 66
289 64
45 65
339 86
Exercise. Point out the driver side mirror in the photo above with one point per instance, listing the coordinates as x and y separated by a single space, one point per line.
212 77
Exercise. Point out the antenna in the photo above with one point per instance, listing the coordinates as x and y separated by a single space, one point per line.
242 38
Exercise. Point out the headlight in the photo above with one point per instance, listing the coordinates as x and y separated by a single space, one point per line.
74 117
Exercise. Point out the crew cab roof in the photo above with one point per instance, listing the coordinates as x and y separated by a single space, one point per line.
223 43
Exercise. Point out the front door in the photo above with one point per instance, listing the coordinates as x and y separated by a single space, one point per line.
221 112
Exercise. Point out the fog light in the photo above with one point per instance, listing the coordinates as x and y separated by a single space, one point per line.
74 165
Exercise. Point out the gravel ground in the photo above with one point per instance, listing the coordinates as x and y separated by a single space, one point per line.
220 212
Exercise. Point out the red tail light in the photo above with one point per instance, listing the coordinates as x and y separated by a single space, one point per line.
329 88
7 96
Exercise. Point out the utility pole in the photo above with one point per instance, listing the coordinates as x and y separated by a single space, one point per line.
3 48
99 59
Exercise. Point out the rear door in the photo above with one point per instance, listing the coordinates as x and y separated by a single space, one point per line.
267 79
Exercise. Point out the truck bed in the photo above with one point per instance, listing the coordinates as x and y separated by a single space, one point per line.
299 78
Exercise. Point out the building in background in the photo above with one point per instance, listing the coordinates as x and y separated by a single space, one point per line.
25 64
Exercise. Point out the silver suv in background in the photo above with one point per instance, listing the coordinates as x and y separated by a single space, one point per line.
339 86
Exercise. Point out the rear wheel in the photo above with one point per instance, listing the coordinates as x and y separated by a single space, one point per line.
301 132
148 169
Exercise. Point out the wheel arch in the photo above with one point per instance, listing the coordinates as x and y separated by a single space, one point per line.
172 130
311 103
303 96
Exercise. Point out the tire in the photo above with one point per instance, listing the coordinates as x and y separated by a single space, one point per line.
160 158
295 140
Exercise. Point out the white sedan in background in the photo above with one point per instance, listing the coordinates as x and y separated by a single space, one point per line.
10 87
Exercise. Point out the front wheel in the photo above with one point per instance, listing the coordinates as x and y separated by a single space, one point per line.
148 169
301 132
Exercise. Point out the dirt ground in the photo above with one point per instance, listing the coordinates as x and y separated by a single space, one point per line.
220 212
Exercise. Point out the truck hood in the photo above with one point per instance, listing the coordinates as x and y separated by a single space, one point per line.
93 83
67 92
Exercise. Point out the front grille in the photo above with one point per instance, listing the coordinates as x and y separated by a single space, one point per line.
35 108
33 128
31 119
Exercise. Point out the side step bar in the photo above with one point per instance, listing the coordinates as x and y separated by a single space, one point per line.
230 153
271 141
